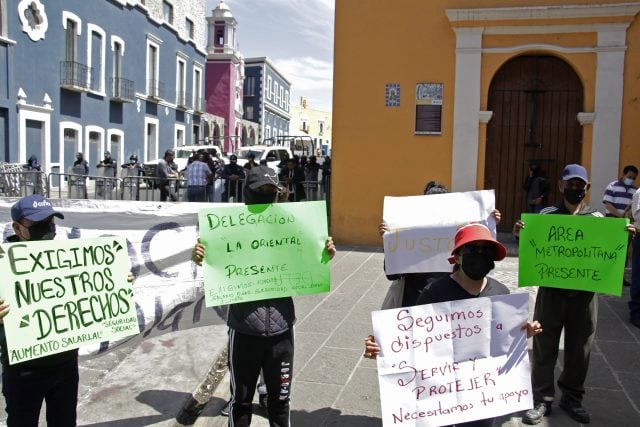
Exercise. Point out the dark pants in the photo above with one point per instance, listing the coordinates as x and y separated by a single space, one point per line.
232 189
249 354
24 391
197 193
167 192
577 312
634 303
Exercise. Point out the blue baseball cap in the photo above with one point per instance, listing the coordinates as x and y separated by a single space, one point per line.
35 208
574 171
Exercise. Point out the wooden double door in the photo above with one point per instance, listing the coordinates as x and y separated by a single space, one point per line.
535 101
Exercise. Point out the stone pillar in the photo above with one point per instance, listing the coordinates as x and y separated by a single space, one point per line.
605 153
466 108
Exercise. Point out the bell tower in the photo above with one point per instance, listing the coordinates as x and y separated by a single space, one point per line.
225 75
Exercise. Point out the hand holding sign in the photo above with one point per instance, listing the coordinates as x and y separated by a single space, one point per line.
258 252
418 231
453 362
66 294
573 252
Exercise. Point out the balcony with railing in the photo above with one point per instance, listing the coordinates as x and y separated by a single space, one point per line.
183 100
155 89
75 76
122 90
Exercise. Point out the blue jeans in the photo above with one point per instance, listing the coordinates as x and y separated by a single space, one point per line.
634 303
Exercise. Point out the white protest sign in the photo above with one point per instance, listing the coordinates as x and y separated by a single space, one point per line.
169 287
453 362
66 294
422 228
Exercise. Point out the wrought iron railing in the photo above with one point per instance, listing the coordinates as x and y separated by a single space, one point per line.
155 89
122 89
74 75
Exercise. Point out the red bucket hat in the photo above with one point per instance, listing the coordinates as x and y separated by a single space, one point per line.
473 233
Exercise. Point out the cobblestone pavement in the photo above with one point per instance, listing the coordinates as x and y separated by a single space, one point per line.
335 386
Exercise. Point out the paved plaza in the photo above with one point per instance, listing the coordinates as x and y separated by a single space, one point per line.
151 383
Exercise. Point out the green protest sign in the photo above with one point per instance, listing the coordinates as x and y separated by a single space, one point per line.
64 294
573 252
264 251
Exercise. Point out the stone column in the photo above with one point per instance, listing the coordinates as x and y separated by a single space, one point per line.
466 108
605 153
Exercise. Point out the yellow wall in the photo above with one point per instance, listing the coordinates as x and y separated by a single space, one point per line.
375 152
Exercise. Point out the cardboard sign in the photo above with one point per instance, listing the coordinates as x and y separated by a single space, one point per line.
169 287
453 362
264 251
573 252
65 294
422 228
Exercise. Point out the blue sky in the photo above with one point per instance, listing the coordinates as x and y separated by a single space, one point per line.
297 35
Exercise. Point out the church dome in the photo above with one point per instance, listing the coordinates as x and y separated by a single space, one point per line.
222 11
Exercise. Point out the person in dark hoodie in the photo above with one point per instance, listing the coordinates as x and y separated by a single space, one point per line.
53 378
260 332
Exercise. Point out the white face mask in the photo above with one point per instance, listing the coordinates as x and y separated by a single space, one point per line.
627 181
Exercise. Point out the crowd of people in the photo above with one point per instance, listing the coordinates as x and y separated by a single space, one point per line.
261 340
474 256
207 178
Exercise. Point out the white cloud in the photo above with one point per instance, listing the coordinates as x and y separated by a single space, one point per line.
297 35
310 77
307 73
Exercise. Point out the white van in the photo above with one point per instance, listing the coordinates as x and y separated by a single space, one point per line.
272 154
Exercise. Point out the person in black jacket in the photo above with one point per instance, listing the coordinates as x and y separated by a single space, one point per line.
293 177
233 174
260 332
52 378
473 257
80 161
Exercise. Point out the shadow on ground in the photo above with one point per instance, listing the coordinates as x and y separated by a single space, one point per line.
164 401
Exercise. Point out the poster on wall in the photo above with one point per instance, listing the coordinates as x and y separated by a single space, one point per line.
429 108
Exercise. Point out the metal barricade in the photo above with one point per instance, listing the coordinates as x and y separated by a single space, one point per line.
146 188
15 182
79 186
106 184
19 183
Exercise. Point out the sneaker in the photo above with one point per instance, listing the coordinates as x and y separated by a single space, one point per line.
635 321
262 400
576 411
225 409
535 415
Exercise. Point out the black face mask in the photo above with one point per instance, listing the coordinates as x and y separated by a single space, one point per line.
42 231
574 196
476 266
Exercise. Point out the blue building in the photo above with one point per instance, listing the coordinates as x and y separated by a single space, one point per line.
89 76
266 98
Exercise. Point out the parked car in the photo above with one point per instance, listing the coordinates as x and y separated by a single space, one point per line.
273 155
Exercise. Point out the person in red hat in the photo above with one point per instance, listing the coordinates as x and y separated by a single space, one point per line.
473 257
414 283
